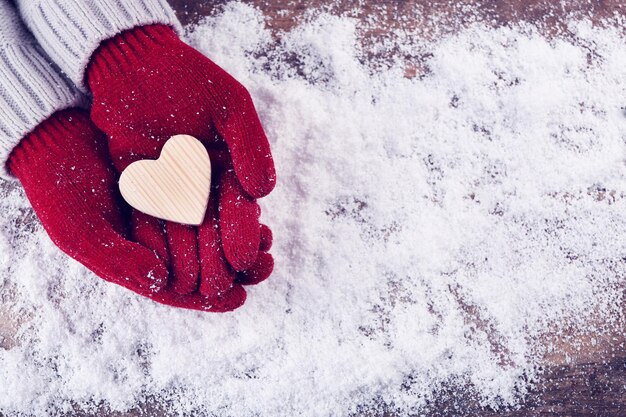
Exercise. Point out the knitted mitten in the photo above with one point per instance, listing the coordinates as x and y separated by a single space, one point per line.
147 86
66 172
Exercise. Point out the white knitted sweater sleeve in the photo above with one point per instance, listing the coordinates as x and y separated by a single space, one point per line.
70 31
31 88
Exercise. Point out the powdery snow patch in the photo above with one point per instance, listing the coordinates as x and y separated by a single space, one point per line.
428 232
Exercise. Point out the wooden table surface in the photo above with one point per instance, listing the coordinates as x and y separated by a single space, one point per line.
592 381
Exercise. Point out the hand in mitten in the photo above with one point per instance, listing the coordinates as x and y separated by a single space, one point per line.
66 172
147 86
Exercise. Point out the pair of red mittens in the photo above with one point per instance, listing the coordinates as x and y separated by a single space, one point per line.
147 86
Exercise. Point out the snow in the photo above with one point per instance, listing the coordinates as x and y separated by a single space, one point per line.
428 231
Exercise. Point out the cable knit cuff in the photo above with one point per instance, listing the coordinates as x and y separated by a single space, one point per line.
71 30
30 92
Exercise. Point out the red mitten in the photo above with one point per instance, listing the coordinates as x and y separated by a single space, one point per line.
147 86
66 172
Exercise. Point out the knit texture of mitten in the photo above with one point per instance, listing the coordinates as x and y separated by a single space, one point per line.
148 86
65 170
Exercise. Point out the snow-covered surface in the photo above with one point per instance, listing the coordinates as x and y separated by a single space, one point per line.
428 232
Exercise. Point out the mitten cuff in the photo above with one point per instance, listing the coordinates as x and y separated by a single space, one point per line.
31 91
127 52
86 24
47 138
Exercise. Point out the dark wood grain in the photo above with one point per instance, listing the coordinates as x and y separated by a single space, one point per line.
592 383
426 16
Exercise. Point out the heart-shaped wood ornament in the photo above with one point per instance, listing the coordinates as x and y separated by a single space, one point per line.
174 187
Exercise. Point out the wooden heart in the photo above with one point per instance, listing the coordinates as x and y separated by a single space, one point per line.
174 187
